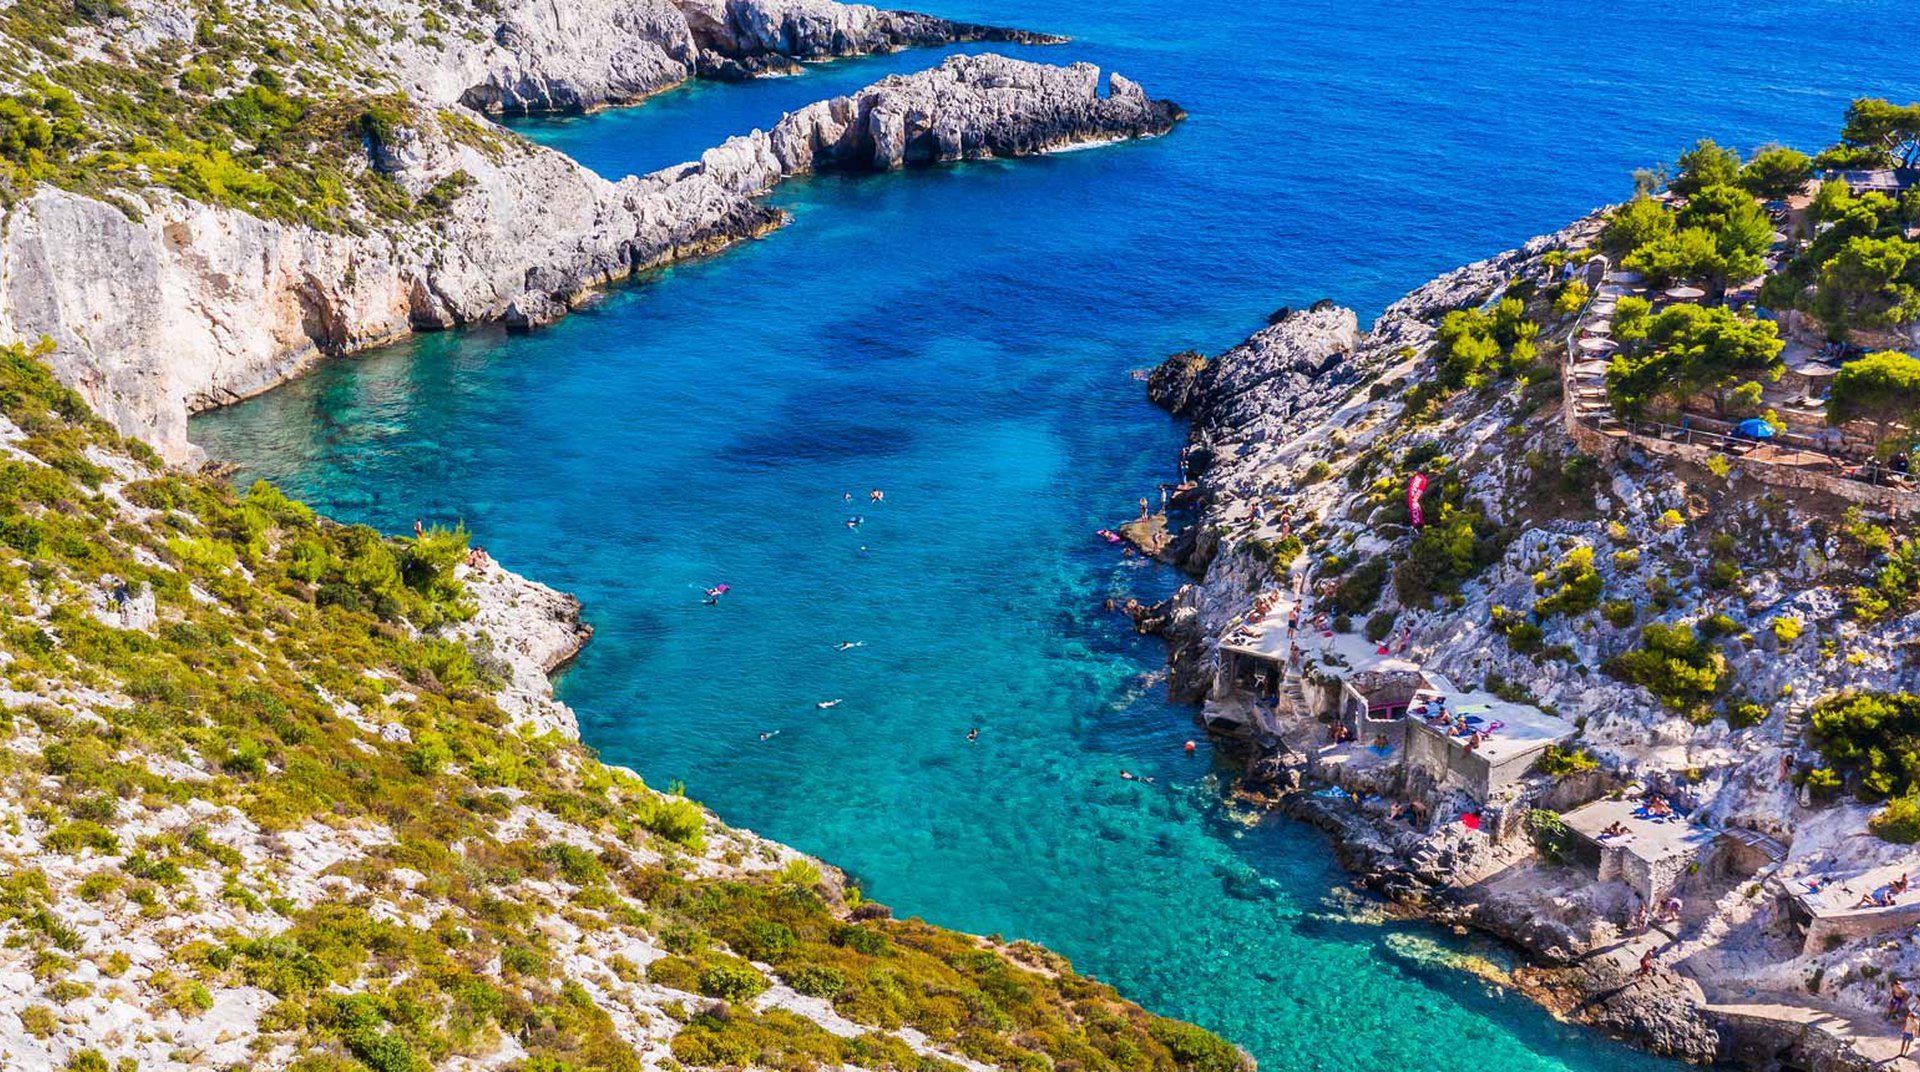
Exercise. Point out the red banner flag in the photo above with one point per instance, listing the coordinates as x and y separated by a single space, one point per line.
1415 489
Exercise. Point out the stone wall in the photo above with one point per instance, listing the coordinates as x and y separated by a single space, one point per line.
1832 928
1446 766
1593 442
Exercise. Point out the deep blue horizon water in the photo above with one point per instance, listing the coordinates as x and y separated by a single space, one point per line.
963 337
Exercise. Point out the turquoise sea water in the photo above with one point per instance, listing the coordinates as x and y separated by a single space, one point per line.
962 338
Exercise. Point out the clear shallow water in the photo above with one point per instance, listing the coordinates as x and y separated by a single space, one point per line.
962 338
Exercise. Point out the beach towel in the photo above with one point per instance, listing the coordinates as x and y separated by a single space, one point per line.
1380 749
1470 820
1332 792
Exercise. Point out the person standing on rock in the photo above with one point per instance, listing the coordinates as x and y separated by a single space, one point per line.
1646 964
1908 1028
1143 507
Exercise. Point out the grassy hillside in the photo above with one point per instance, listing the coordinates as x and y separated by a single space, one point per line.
256 809
272 108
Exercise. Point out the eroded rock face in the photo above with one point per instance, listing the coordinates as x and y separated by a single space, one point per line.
586 54
743 37
192 306
1253 389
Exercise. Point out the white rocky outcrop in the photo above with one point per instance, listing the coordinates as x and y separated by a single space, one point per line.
192 306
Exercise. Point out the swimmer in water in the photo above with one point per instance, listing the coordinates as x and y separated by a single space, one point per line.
846 496
876 495
769 735
824 704
854 521
849 645
973 734
1127 774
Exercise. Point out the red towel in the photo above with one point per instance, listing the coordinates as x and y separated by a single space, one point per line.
1471 821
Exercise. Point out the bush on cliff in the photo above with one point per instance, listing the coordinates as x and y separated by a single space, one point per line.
1447 552
1684 670
1873 740
1899 821
1359 590
1892 586
1572 587
1478 347
1556 761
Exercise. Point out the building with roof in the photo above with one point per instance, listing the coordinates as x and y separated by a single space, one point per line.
1444 736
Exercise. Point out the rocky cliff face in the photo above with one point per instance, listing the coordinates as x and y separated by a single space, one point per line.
1325 420
191 306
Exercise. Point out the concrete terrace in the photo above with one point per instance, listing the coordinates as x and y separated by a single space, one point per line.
1334 675
1829 904
1651 856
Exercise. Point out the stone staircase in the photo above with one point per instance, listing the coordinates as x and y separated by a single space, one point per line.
1794 726
1297 693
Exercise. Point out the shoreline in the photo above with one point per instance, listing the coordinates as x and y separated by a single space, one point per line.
525 235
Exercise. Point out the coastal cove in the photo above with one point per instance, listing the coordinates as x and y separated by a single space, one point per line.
962 338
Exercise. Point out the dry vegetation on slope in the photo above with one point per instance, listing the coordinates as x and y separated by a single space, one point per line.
269 799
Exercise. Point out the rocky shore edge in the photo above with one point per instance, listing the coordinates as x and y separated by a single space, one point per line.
180 306
1304 366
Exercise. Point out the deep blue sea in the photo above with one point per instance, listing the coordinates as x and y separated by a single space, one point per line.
962 338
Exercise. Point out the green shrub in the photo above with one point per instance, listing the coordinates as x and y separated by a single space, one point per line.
868 940
674 817
816 980
1557 761
1359 590
1683 670
1899 821
72 837
39 1021
731 983
1874 737
1451 549
1522 635
1380 625
1894 588
1549 833
1619 613
1574 584
1196 1049
1572 298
